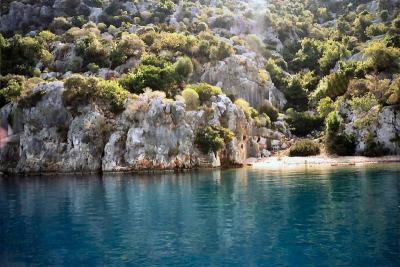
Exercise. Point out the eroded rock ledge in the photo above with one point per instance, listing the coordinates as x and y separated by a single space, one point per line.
45 136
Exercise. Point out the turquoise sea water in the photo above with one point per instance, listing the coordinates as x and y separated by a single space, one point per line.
245 217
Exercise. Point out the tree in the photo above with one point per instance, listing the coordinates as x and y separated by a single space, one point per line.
183 68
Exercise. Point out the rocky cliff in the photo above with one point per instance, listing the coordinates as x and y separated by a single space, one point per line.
45 135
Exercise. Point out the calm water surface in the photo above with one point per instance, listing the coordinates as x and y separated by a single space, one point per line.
246 217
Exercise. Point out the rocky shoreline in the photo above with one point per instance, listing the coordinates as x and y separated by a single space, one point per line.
152 133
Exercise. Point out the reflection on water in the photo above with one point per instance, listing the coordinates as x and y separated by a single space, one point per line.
346 216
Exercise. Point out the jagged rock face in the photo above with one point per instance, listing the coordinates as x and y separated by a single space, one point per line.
386 130
239 76
21 15
152 133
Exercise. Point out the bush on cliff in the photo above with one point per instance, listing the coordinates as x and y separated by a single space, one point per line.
158 74
304 147
191 98
248 110
213 138
336 141
81 90
205 91
267 108
11 87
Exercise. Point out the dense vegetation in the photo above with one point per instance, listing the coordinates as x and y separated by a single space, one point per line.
327 56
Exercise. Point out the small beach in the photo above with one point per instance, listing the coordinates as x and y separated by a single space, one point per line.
322 160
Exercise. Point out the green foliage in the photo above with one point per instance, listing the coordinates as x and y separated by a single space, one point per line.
276 72
114 93
248 110
212 138
59 25
366 109
145 76
93 67
303 123
11 88
79 89
221 51
154 72
94 3
171 41
205 91
384 58
295 92
82 90
337 142
325 106
304 147
375 30
393 95
183 68
319 55
164 8
19 55
130 45
191 98
92 50
333 85
263 121
268 109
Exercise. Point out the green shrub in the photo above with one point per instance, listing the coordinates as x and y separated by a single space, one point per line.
263 121
337 142
92 50
303 123
375 29
205 91
276 72
59 25
94 3
213 138
202 26
19 55
130 45
81 90
295 92
221 51
366 109
154 72
325 106
145 76
340 144
373 148
191 98
93 67
183 68
384 57
393 95
267 108
304 147
333 85
248 110
11 91
114 93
